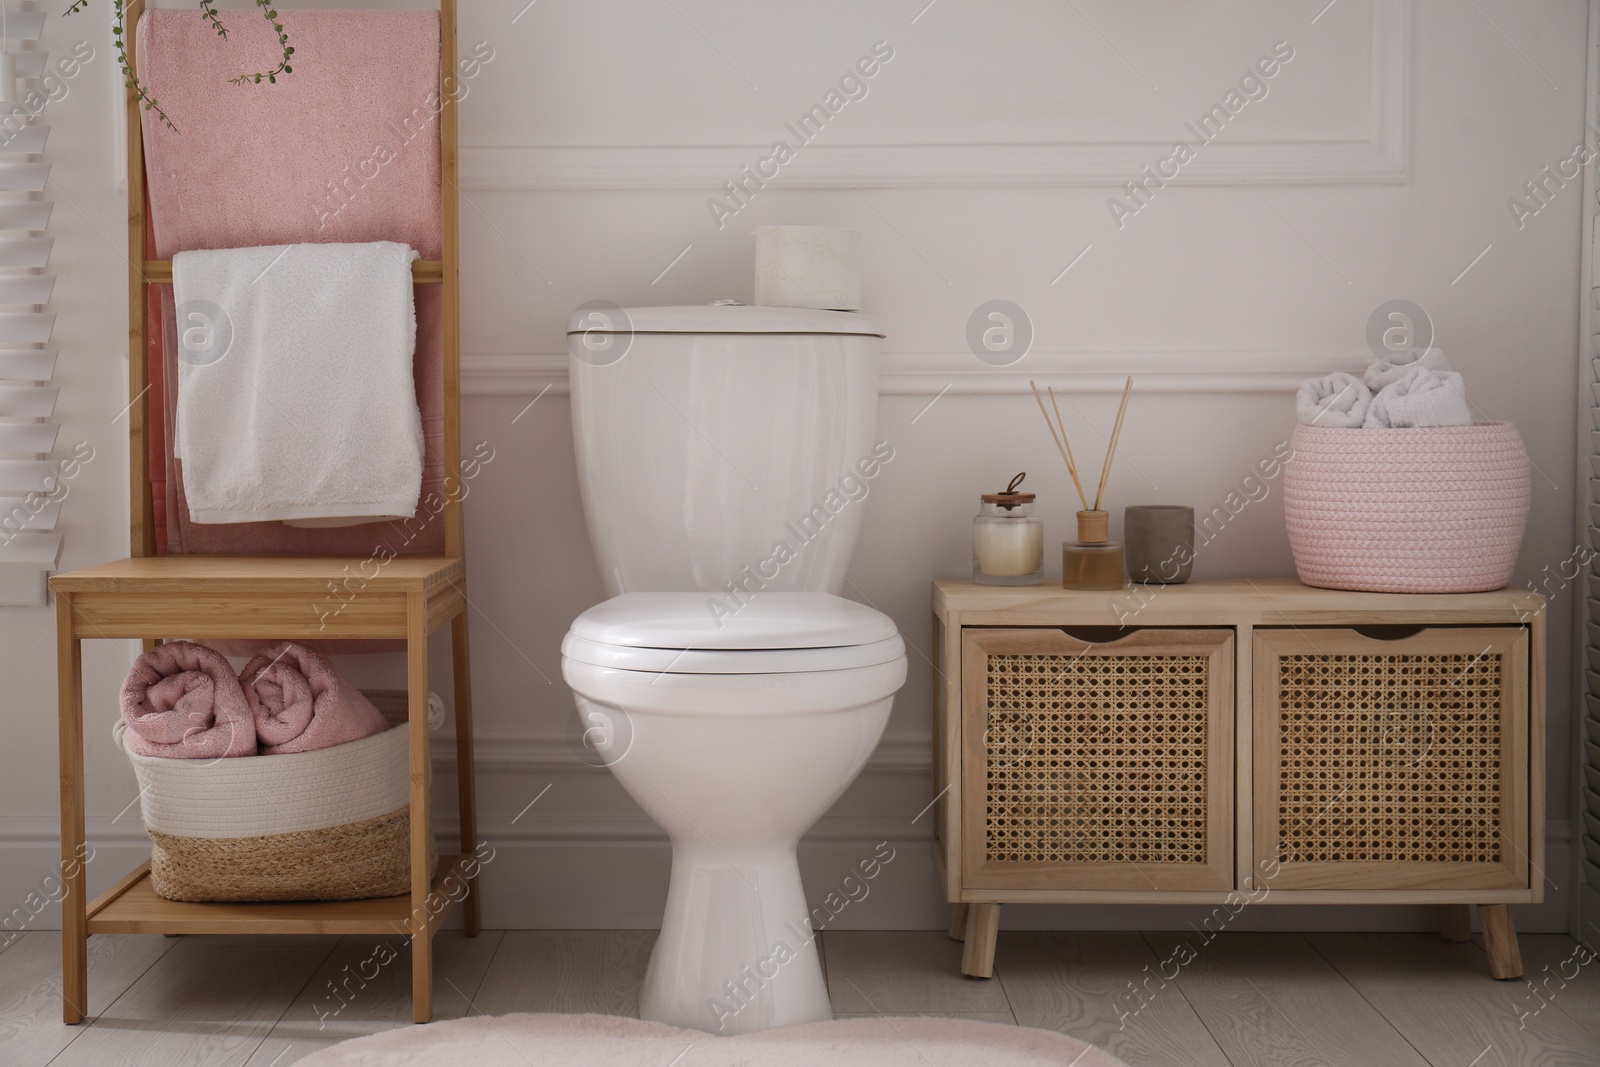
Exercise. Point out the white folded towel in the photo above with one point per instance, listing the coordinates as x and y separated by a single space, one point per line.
1421 397
1340 399
295 392
1388 369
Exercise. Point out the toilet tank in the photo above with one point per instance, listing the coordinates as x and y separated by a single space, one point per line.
724 447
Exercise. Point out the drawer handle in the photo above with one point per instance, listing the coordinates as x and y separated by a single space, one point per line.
1393 632
1099 635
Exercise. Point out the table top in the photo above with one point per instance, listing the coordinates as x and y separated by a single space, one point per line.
200 574
1262 597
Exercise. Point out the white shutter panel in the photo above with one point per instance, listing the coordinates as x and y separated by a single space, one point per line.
30 478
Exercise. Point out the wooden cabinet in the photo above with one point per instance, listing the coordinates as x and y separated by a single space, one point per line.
1256 741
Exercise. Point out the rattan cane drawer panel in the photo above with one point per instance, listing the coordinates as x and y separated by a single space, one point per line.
1097 759
1390 758
1382 759
1107 760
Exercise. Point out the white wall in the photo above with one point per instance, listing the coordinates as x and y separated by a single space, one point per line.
1378 166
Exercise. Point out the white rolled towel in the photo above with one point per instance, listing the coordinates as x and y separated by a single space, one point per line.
1421 397
1390 368
1339 399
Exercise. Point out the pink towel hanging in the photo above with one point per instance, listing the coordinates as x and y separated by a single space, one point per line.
343 149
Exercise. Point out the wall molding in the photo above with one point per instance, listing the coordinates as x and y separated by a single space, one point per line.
1382 156
532 830
961 373
649 167
524 754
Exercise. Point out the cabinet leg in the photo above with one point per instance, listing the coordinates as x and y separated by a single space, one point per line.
983 927
1500 941
958 922
1455 922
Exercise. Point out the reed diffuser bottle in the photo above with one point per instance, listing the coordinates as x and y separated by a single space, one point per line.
1093 561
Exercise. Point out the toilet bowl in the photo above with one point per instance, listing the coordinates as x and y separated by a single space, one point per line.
735 751
724 456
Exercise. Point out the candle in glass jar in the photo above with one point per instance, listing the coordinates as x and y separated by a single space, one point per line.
1007 539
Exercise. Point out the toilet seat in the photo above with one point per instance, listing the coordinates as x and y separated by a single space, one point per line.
725 661
702 633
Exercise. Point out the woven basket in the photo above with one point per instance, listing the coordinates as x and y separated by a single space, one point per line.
1437 509
333 824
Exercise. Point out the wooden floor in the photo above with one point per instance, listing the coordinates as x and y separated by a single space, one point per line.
1352 1000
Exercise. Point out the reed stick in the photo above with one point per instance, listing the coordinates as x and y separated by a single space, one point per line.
1111 451
1060 440
1071 459
1066 457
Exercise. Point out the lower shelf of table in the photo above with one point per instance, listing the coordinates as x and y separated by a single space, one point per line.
133 908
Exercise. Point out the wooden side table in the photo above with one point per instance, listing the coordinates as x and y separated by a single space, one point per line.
214 598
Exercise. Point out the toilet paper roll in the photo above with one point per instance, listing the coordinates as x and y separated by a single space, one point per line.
808 267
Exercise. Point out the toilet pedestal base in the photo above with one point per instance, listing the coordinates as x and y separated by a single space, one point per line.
736 953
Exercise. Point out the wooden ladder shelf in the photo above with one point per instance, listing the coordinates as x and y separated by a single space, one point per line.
150 597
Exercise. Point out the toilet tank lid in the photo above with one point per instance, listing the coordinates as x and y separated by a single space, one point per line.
721 318
716 620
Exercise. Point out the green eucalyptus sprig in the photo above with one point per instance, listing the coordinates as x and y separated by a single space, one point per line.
283 67
208 11
140 93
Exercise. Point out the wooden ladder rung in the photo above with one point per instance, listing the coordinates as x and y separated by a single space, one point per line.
423 272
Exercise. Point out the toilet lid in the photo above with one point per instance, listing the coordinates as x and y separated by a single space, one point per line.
708 633
717 620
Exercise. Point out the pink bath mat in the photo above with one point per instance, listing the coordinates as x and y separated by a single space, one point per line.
612 1041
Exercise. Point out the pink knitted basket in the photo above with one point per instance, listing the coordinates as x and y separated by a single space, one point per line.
1437 509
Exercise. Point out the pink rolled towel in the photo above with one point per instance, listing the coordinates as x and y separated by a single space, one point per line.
182 701
300 703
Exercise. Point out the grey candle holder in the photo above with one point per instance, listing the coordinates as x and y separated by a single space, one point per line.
1159 541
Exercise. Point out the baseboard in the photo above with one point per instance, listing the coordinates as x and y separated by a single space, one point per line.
604 872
